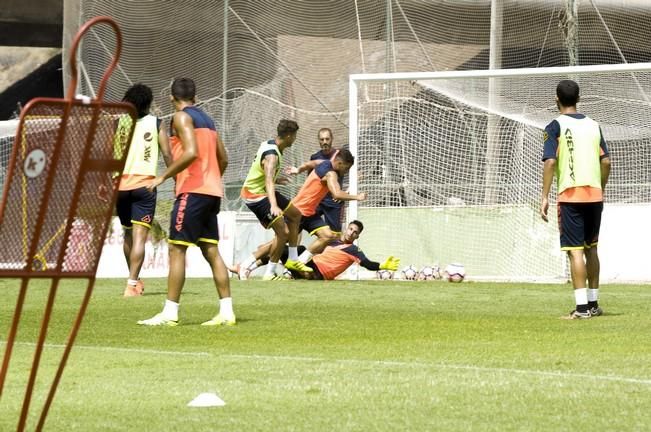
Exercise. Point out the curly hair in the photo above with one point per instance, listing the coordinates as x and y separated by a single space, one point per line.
141 97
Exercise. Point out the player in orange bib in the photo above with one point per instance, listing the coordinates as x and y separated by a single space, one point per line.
324 178
200 159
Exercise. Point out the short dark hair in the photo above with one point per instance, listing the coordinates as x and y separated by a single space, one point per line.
141 97
323 129
567 92
346 156
359 225
183 89
286 127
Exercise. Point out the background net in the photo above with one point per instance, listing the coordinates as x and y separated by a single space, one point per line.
452 167
258 61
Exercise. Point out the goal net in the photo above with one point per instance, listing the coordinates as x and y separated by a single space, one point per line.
451 162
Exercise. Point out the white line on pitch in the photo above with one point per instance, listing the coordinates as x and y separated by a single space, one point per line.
446 366
128 350
355 361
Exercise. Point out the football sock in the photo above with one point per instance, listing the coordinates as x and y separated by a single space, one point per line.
305 256
171 310
248 262
271 269
132 282
581 298
226 307
593 297
293 253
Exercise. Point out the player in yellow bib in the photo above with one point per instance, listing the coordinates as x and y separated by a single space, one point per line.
576 153
136 204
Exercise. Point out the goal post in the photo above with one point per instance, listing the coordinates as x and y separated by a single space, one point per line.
451 164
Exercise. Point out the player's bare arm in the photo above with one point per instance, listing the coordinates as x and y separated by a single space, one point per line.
222 155
605 172
164 145
332 182
269 163
306 167
549 168
185 131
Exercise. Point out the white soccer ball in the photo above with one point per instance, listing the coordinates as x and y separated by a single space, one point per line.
384 274
410 273
455 272
428 273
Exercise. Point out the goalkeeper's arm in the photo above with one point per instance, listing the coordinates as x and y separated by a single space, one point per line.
390 263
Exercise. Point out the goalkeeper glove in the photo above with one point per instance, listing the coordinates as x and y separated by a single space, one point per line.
391 264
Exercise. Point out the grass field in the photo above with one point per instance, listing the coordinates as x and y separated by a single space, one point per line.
341 356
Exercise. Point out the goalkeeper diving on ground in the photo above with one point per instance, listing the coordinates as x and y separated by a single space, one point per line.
337 256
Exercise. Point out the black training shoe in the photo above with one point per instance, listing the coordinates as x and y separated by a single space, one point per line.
596 311
575 314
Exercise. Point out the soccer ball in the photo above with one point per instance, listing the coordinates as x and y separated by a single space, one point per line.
384 274
410 273
287 274
455 272
428 273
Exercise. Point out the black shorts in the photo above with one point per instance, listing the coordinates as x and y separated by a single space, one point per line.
194 219
332 214
312 224
262 209
579 224
136 206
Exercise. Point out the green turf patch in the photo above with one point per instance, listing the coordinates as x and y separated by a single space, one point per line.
354 356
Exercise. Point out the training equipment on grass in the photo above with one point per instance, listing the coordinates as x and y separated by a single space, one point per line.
384 274
58 199
410 272
455 272
428 273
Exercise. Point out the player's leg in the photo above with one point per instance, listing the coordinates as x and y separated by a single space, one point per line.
293 217
593 266
142 214
123 209
208 242
184 231
316 226
571 224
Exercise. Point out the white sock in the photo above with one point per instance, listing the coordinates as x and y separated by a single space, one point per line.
271 269
280 268
171 310
293 253
248 261
226 307
132 282
593 294
305 256
581 296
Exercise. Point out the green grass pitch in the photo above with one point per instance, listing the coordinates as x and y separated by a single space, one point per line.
340 356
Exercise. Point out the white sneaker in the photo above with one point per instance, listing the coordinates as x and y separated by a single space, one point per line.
159 320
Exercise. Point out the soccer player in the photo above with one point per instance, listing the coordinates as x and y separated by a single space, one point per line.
576 153
200 160
136 204
341 254
331 210
324 178
260 195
